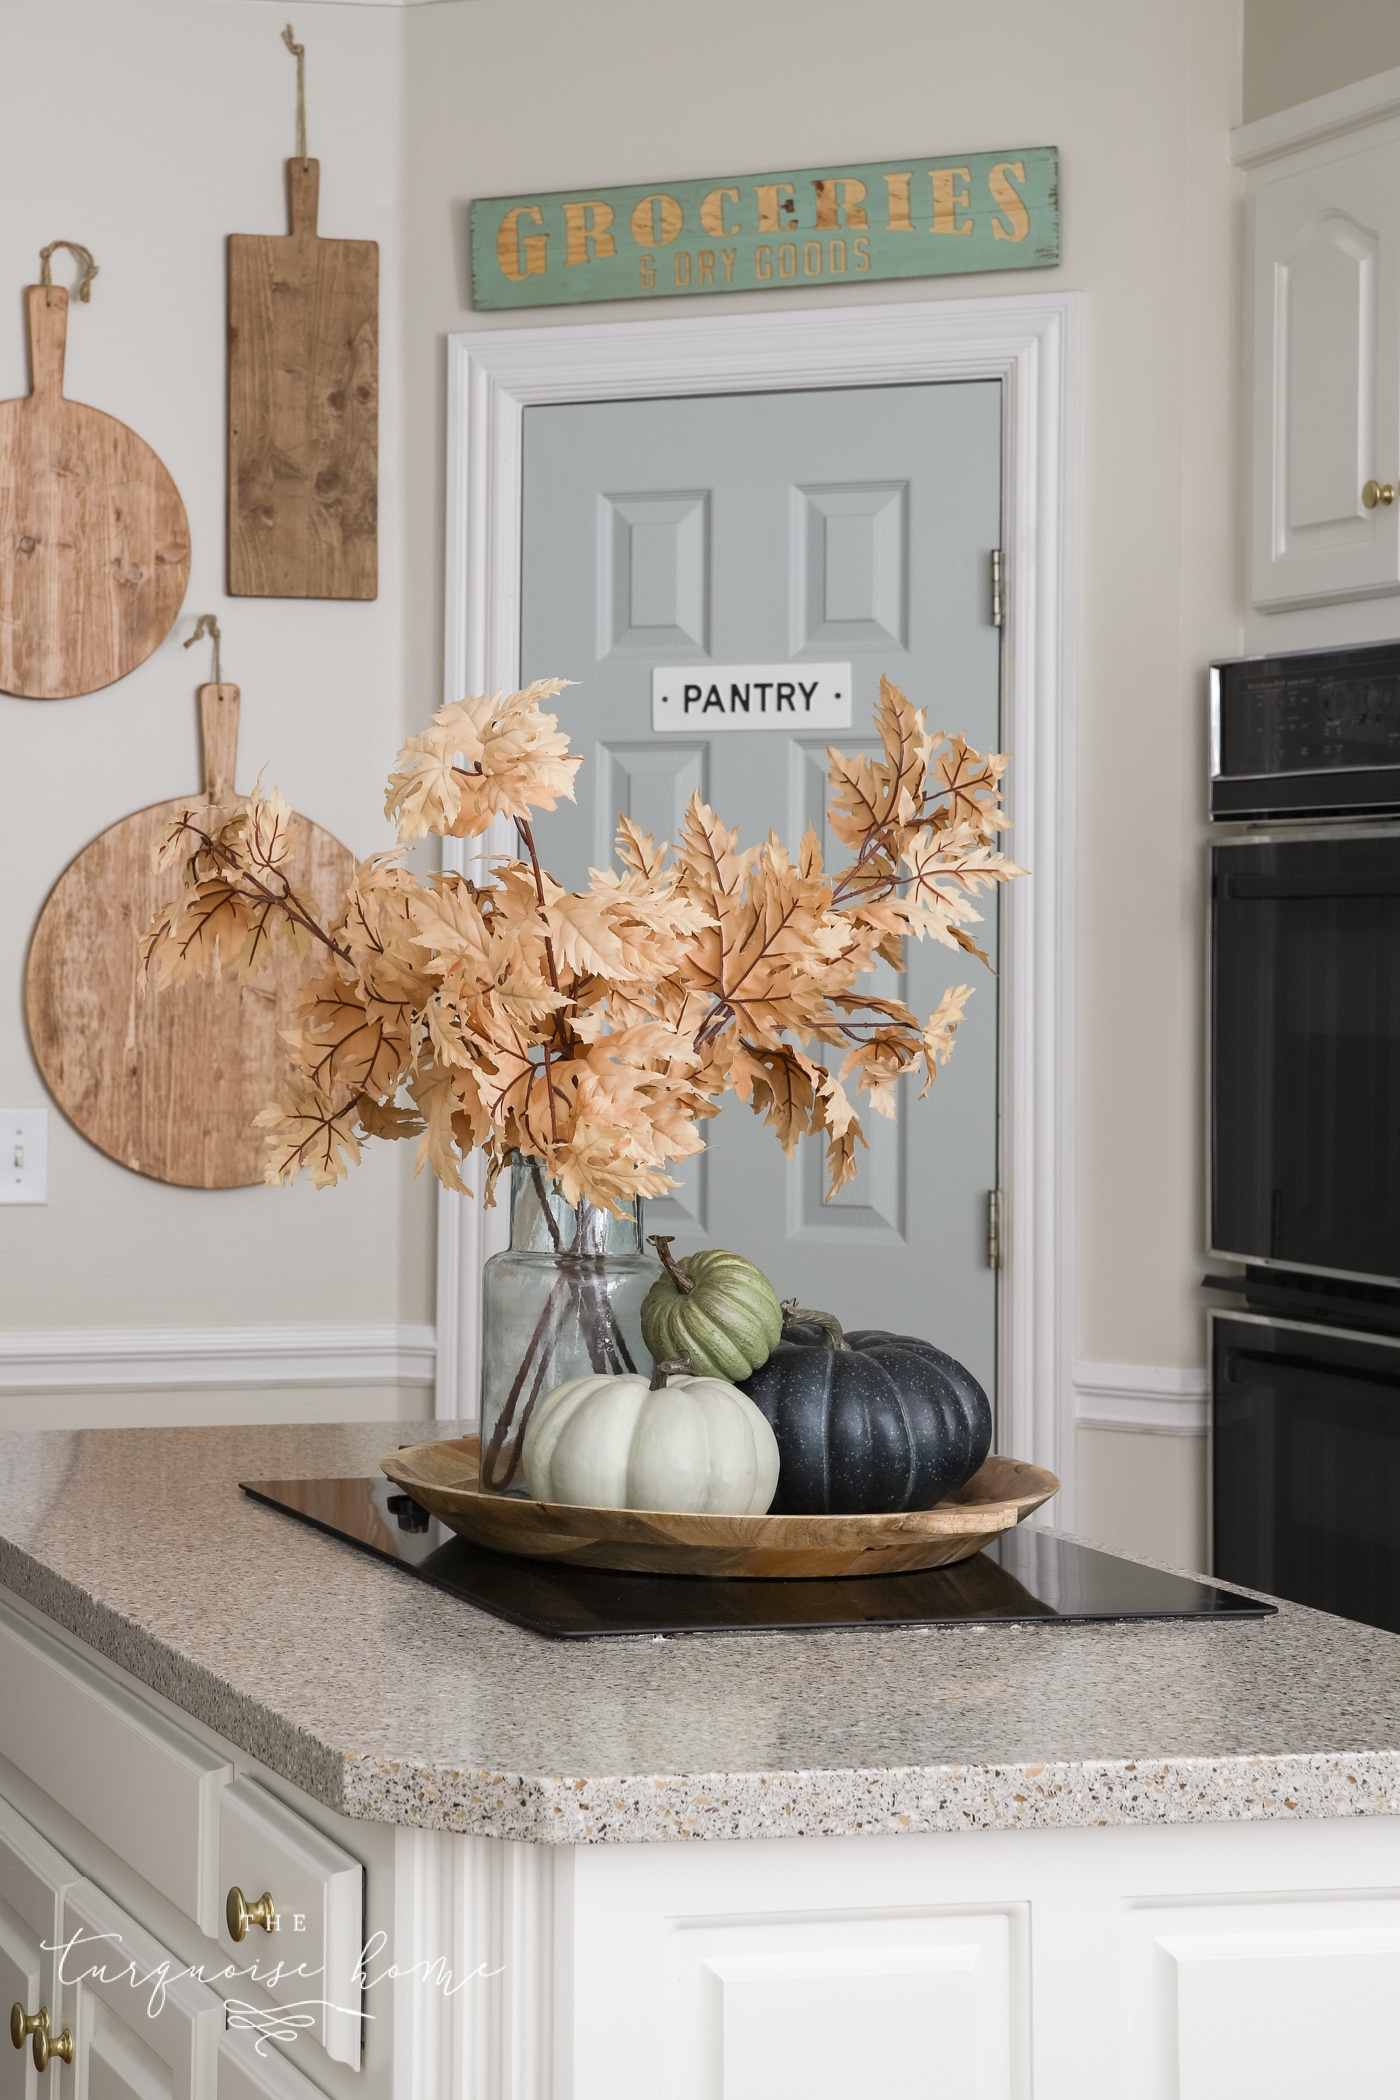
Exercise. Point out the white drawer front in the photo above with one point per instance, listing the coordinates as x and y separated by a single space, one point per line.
132 1778
143 2028
309 1963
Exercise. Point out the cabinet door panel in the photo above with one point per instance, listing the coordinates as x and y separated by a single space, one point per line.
144 2029
827 2007
1326 272
245 2075
32 1880
1290 1997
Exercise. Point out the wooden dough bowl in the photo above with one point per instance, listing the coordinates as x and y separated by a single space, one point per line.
443 1478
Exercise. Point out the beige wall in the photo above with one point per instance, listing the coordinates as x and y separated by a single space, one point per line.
150 130
1295 49
1144 1493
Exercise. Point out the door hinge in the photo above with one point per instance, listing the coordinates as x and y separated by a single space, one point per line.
998 607
994 1228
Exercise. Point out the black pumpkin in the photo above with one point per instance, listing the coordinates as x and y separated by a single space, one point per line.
867 1421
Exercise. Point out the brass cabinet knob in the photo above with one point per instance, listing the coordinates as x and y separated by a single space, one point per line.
240 1913
46 2044
1377 492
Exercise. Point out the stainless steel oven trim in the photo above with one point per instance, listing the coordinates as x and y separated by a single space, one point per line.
1346 1334
1298 1268
1305 772
1298 831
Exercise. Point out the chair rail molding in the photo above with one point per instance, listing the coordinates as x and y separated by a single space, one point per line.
1031 344
1147 1397
121 1359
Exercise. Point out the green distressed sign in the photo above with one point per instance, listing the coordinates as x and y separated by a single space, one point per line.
745 233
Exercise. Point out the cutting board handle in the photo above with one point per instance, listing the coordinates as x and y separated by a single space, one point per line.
48 336
218 722
303 196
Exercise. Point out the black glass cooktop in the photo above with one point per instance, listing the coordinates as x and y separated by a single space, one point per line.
1025 1575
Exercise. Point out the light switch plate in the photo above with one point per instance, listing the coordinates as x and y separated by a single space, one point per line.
24 1155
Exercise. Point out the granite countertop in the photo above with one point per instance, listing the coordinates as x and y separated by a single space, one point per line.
394 1702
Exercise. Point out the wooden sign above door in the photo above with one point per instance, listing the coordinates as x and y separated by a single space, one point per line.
743 233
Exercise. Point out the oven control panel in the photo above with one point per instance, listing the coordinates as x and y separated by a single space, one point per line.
1312 734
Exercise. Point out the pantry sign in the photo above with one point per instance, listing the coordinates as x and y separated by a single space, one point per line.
744 233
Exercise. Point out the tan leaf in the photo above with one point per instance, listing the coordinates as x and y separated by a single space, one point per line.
386 1119
309 1131
351 1043
269 834
501 756
637 851
941 1029
203 932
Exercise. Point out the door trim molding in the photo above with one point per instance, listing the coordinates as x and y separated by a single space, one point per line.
1032 345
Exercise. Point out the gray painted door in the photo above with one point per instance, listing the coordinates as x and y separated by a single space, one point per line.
767 528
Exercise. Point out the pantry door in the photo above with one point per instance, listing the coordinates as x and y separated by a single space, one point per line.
852 525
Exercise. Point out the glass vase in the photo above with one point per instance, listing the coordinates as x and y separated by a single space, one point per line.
563 1300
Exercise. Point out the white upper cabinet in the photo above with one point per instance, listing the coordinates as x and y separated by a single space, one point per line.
1325 271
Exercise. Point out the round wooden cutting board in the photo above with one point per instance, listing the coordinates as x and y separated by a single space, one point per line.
166 1082
94 542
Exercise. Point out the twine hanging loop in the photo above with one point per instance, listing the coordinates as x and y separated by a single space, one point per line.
298 52
208 624
81 255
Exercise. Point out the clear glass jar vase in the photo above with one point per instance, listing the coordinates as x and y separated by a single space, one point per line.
564 1299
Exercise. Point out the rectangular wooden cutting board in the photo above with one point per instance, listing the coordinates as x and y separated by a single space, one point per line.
303 408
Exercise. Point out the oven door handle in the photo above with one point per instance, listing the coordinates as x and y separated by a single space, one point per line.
1237 1363
1260 888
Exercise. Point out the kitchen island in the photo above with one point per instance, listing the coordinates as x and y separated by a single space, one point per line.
1102 1861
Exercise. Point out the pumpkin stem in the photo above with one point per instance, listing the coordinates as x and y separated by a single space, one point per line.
662 1243
833 1334
669 1367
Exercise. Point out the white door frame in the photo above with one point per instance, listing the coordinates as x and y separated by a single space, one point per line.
1030 344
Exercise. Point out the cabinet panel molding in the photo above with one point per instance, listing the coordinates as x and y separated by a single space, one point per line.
829 2005
1325 268
245 2073
33 1877
132 1778
1293 1997
143 2028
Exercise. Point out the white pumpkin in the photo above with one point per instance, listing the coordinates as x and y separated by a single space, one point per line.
694 1444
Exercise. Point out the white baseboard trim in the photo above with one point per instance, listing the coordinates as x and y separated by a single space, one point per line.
1145 1397
118 1359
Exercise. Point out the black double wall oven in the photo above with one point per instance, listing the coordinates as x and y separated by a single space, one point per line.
1305 1127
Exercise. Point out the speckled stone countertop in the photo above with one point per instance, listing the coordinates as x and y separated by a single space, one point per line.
391 1701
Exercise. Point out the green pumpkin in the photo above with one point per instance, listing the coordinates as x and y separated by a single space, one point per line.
715 1308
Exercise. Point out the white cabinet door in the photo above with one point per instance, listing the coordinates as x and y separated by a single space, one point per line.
1326 375
32 1880
144 2029
246 2074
